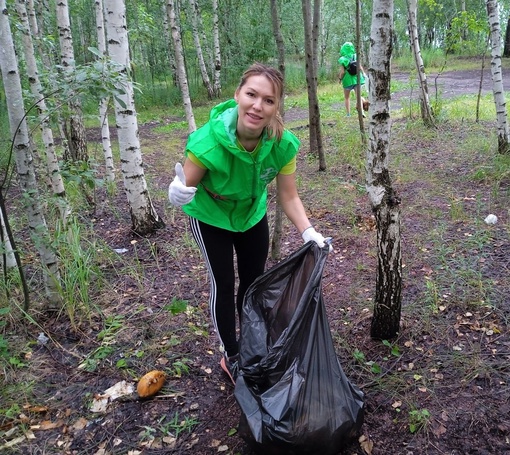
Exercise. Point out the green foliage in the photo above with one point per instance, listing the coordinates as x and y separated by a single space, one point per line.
80 271
176 425
176 306
394 349
468 34
4 351
418 419
81 173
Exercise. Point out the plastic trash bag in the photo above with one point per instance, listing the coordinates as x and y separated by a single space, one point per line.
293 393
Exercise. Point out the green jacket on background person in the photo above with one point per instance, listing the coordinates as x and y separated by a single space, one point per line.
348 53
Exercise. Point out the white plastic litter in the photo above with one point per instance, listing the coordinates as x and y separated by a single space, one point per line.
491 219
42 339
100 402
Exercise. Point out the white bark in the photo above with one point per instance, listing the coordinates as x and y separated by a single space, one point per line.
217 50
168 38
36 33
195 14
103 104
23 157
6 248
181 67
384 201
76 131
497 76
426 111
143 214
56 181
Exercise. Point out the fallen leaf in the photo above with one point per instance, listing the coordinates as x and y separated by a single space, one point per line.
80 424
31 408
366 444
47 425
439 430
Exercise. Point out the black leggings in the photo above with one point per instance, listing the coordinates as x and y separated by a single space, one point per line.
217 246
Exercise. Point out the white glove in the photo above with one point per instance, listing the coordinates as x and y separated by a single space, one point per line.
310 234
178 193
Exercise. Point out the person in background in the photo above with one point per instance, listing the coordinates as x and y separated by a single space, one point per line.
223 188
349 81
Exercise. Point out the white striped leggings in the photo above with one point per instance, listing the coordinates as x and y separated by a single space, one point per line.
217 246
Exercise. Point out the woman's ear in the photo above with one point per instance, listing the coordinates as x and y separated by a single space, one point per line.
236 95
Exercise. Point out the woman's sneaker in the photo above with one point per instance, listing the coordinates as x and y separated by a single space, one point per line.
230 365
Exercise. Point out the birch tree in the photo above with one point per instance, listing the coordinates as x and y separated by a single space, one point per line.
103 104
143 214
276 239
36 33
23 158
217 50
182 75
195 14
497 77
361 114
316 145
8 259
383 198
52 166
74 128
426 111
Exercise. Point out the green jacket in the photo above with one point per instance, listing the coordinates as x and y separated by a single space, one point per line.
348 53
233 192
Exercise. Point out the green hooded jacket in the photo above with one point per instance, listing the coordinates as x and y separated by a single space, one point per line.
233 192
348 53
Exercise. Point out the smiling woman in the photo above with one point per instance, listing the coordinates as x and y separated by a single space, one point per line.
223 188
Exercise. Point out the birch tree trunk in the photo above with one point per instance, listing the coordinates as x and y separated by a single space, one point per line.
181 67
74 129
384 201
56 181
170 48
426 111
143 215
103 104
276 240
36 33
316 145
497 77
24 160
195 14
359 56
8 259
217 50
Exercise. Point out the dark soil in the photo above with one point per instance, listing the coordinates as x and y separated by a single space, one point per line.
467 397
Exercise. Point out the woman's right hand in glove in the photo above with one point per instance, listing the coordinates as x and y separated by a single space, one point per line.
178 193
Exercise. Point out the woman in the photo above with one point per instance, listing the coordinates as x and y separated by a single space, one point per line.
223 188
350 81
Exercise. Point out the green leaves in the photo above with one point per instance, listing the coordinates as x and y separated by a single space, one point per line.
176 306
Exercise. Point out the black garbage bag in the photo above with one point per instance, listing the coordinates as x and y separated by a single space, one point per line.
293 393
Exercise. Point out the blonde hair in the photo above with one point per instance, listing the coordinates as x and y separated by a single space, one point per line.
275 127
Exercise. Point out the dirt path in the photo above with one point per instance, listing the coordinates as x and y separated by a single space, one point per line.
449 84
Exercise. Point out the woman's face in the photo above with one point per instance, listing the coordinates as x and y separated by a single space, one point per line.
258 105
